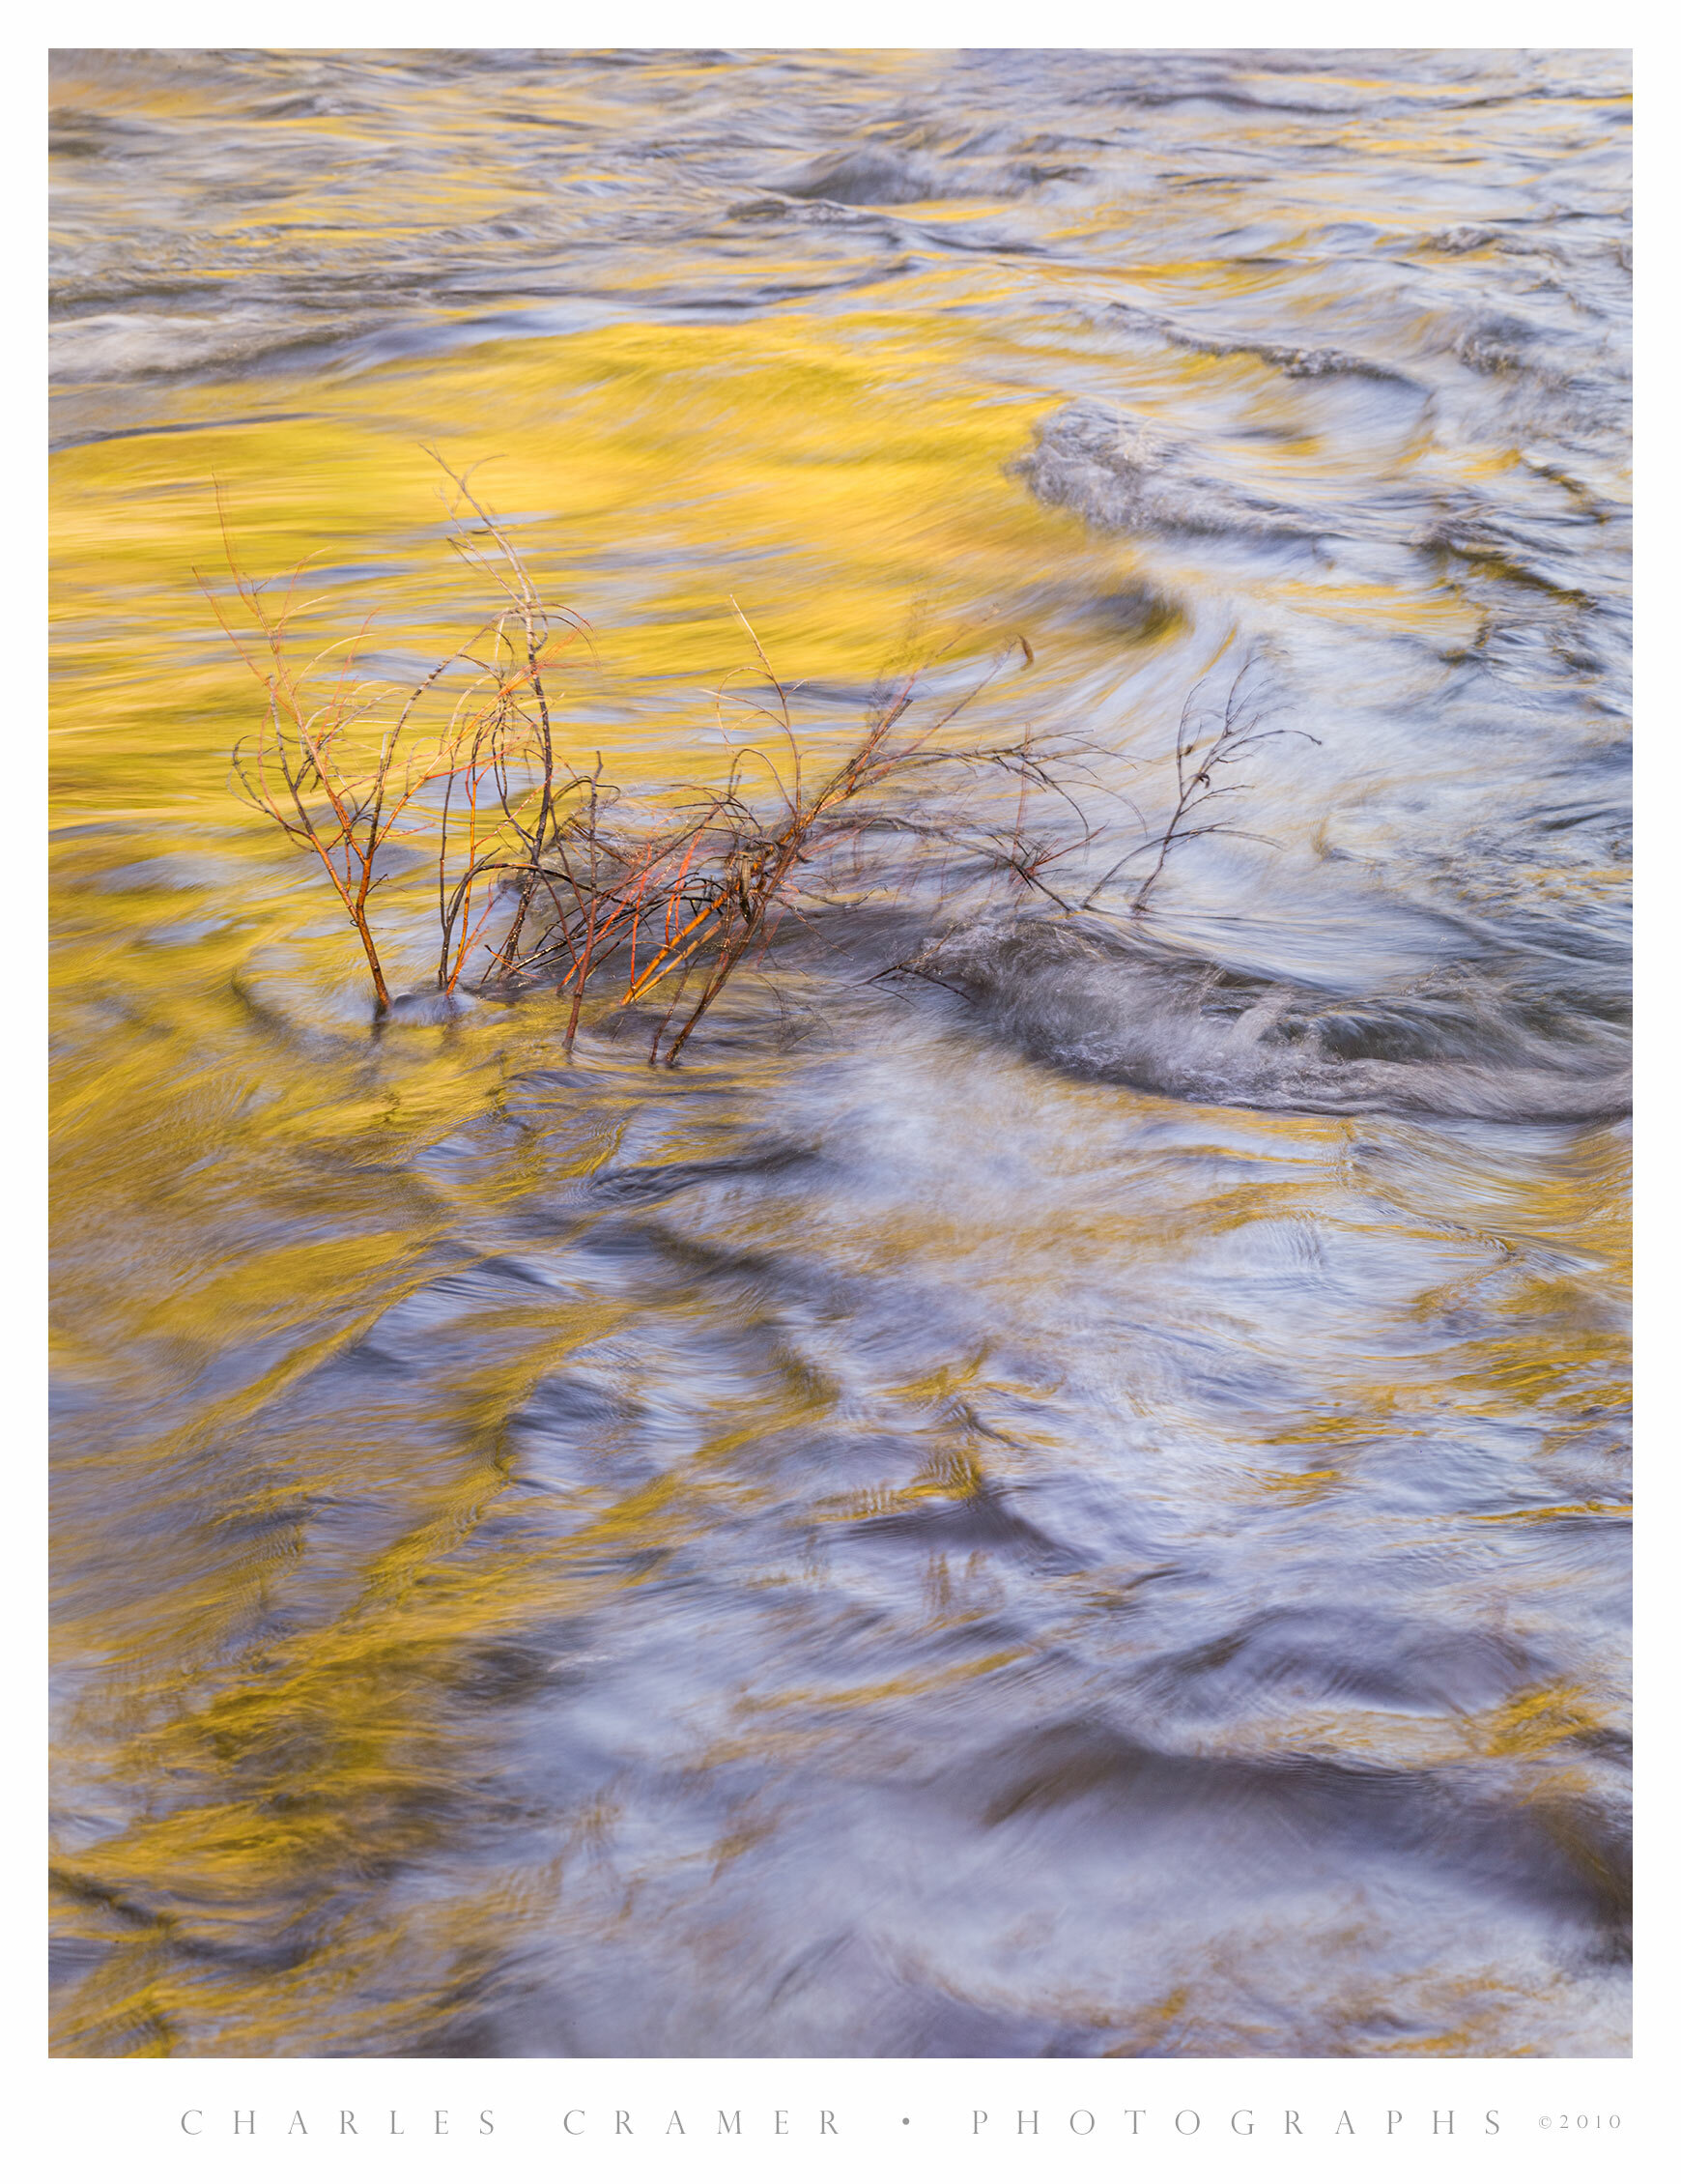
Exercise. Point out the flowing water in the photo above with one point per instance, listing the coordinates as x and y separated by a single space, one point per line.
1074 1504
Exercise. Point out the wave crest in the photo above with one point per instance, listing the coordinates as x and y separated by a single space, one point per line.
1492 1041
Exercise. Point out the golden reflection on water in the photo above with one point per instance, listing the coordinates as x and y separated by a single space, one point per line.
313 1289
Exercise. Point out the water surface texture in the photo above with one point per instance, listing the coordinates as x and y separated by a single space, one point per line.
1071 1504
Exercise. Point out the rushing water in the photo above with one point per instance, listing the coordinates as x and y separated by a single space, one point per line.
1080 1509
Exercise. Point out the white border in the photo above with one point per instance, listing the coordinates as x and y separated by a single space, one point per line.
765 23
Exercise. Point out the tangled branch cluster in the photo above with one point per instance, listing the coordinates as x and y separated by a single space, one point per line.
546 873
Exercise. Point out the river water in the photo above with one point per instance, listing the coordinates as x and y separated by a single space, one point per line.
1079 1508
